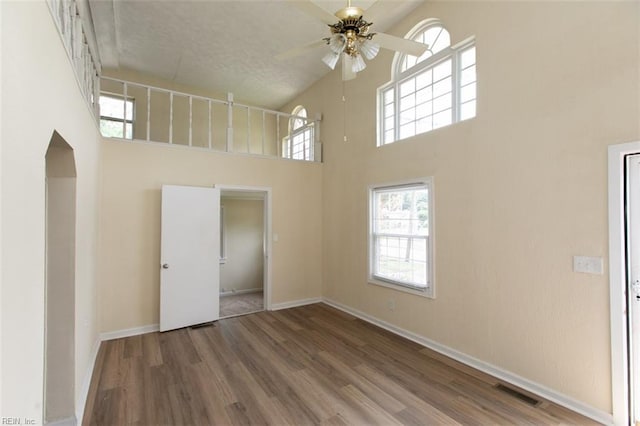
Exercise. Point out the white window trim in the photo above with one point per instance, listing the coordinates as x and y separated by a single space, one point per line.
430 290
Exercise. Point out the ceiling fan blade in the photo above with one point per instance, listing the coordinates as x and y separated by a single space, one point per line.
347 67
310 8
399 44
296 51
375 11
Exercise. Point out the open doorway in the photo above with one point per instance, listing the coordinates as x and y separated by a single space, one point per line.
243 259
60 249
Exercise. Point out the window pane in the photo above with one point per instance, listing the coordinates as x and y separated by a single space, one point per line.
389 110
407 87
468 57
129 110
389 123
424 110
424 79
442 87
424 125
468 75
468 92
111 107
442 119
442 70
388 96
435 37
111 129
401 224
441 42
424 95
442 103
468 110
407 116
407 102
388 136
407 130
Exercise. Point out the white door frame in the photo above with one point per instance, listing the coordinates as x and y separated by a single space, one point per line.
618 281
267 232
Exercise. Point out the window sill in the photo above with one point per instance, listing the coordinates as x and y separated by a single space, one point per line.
427 292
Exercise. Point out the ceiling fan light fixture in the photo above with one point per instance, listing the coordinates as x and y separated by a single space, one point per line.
337 43
369 49
331 59
358 63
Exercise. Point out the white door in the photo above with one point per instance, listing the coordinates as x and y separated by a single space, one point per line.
189 258
633 262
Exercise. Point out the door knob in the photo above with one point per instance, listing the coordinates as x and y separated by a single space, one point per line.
636 288
165 266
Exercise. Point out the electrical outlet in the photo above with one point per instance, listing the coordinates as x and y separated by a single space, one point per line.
588 265
391 304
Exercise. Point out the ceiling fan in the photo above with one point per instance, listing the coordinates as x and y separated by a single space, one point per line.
351 39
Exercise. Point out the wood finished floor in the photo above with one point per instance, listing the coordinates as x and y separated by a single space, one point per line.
307 365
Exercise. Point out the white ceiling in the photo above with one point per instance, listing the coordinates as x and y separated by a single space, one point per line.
224 45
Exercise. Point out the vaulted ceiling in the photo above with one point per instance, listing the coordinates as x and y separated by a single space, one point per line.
224 46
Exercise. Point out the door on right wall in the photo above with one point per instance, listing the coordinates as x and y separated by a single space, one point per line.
633 282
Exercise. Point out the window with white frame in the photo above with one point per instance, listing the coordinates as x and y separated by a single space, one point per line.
401 236
116 116
298 144
430 91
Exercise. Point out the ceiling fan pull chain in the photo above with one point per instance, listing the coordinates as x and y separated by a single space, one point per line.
344 113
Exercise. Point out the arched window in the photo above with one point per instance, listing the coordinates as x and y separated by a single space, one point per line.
298 144
430 91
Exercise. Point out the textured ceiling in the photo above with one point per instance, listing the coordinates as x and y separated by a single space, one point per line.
225 46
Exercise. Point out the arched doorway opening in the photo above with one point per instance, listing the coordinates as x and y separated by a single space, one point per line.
60 252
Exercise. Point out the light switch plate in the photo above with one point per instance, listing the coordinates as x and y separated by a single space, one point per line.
588 265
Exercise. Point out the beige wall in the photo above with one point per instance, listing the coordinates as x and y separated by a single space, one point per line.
519 190
244 245
40 95
132 175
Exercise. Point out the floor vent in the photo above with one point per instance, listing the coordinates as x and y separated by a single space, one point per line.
517 394
204 324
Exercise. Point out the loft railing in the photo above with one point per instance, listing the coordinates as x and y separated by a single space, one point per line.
135 111
75 38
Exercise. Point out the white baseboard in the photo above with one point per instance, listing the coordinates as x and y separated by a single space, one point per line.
295 303
110 335
86 383
245 291
69 421
521 382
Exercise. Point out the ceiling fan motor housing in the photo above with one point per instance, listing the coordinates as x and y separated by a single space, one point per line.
353 27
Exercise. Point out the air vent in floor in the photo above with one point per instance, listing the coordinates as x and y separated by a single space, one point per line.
517 394
204 324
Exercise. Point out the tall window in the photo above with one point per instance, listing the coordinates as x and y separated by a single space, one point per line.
298 144
116 116
401 236
430 91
